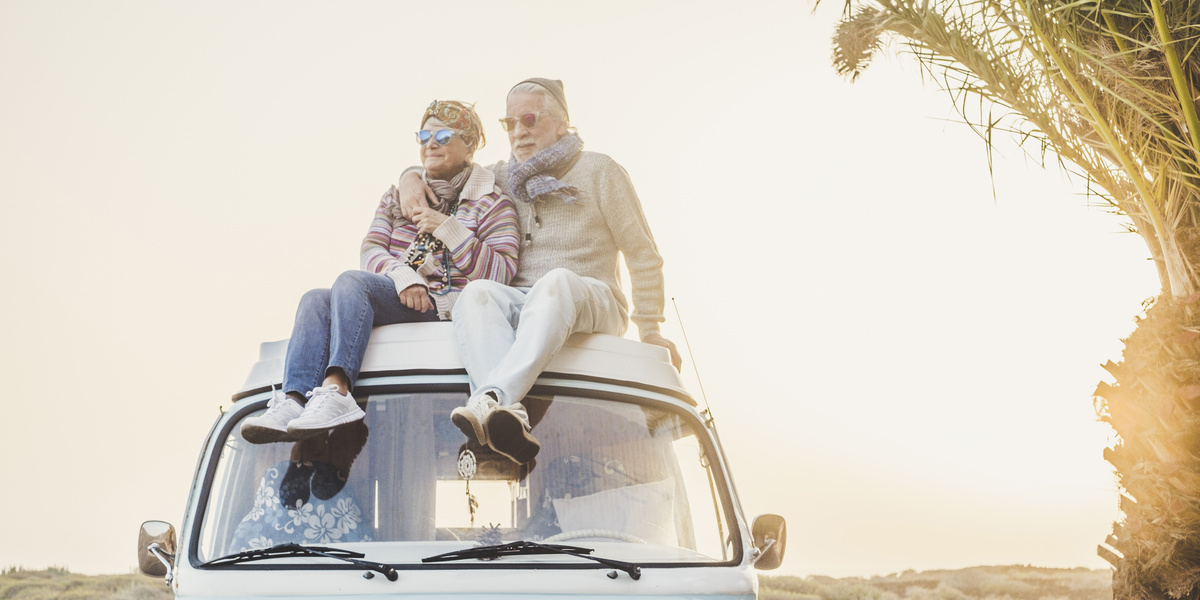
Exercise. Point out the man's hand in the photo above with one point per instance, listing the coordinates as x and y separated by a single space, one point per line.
413 194
659 340
416 298
426 219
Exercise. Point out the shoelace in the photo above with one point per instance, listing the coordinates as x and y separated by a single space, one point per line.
318 398
277 397
483 404
322 391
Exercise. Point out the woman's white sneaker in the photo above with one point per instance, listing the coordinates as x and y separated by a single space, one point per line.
272 426
326 408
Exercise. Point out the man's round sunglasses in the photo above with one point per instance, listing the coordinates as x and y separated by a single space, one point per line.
441 136
527 119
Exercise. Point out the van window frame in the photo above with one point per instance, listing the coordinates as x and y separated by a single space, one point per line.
710 443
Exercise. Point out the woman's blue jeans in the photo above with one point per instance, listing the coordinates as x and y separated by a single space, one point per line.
333 327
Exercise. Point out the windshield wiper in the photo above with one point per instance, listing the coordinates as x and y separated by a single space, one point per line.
285 550
526 547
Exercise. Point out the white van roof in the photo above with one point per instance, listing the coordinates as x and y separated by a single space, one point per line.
431 348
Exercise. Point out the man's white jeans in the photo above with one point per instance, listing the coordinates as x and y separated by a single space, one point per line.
508 335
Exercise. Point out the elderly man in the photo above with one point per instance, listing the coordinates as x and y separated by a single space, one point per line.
577 210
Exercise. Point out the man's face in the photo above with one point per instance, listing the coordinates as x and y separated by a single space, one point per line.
527 141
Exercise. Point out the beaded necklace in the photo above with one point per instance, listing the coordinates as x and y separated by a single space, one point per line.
426 244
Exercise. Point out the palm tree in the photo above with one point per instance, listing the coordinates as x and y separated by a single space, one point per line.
1108 88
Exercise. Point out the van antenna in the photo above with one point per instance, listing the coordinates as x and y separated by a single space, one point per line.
692 356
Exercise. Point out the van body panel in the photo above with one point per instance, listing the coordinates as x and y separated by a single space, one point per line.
587 583
629 469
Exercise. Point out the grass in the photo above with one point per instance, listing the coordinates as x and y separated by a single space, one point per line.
975 583
57 583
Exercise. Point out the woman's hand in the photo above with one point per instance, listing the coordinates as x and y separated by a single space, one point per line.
417 298
413 194
426 219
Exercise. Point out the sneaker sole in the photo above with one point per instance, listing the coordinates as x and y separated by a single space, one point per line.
515 443
311 429
258 434
466 422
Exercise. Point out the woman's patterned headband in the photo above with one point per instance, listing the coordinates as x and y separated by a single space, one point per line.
458 116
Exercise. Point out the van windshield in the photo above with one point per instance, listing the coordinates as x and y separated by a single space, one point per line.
631 480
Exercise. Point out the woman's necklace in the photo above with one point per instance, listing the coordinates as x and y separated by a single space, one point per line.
427 244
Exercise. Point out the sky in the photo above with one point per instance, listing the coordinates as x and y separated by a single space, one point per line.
899 346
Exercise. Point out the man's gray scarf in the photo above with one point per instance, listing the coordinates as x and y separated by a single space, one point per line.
528 181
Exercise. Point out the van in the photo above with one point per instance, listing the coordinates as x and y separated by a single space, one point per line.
630 495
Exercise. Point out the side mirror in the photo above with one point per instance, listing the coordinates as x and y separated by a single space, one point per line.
156 549
770 541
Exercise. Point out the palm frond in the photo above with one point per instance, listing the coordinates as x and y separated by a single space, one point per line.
856 40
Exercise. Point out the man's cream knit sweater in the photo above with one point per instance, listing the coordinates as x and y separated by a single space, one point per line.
587 235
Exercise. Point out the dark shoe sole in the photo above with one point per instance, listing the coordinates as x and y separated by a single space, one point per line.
300 435
507 436
265 435
327 481
470 427
294 486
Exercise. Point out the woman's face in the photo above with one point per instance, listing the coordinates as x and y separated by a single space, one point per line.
444 161
527 141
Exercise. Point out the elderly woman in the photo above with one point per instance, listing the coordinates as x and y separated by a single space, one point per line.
412 270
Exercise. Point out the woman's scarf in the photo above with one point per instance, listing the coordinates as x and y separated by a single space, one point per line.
529 182
447 193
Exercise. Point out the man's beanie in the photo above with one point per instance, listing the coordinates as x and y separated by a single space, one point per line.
554 87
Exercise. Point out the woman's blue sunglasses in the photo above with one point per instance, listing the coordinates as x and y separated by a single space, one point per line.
441 136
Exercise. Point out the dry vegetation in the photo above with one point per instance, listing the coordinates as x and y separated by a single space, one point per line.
976 583
55 584
1154 406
